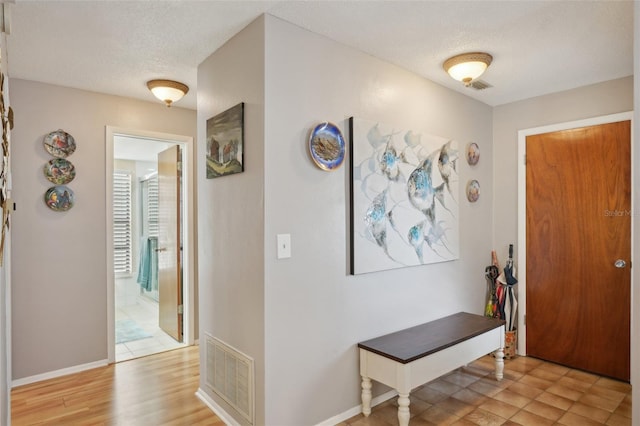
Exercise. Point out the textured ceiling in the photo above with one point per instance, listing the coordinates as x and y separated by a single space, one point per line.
114 47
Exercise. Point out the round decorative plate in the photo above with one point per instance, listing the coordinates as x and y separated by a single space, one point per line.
59 198
326 146
473 191
60 144
59 171
473 154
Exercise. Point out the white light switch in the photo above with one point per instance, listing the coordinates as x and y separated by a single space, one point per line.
284 246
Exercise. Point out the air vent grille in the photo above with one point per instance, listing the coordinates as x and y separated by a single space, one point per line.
480 85
230 373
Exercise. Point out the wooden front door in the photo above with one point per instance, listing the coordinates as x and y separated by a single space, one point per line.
170 242
578 225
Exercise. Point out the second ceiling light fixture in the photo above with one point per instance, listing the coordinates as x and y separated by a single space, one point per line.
467 66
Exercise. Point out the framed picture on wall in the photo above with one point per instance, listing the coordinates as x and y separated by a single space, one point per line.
225 142
404 197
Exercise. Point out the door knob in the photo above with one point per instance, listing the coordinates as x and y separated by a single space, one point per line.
620 263
159 250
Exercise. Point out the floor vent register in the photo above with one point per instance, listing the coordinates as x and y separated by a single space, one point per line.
230 374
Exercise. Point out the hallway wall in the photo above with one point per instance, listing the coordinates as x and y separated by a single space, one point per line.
231 210
59 270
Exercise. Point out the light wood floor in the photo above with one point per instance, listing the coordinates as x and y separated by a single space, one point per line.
154 390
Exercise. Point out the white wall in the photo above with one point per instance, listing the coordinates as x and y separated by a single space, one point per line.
59 270
230 209
590 101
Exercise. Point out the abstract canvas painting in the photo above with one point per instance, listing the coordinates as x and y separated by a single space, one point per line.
225 142
404 197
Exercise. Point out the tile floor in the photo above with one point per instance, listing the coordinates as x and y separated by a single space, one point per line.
533 392
144 311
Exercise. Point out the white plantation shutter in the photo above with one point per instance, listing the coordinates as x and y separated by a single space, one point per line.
150 193
122 238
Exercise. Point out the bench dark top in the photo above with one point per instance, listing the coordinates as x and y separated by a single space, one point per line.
416 342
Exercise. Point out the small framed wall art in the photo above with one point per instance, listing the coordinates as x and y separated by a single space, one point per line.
225 142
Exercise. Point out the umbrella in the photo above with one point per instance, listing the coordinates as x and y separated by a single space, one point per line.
507 302
502 295
491 274
509 280
511 306
509 270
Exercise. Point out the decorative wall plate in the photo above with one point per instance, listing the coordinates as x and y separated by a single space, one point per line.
473 154
59 171
326 146
60 144
59 198
473 191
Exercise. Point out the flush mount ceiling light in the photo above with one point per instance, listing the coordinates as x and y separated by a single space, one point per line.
468 66
168 91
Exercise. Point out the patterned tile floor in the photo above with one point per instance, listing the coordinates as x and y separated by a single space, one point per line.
533 392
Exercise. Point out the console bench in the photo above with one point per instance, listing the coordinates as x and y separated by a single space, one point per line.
412 357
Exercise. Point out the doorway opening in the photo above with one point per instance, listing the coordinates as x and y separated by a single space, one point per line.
148 221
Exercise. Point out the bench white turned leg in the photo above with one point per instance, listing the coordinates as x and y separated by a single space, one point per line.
403 409
499 354
366 395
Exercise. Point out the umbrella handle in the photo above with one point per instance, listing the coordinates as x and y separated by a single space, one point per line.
510 251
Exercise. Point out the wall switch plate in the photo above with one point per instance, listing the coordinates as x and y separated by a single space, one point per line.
284 246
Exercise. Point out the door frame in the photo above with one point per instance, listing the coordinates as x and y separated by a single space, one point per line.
189 230
522 209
